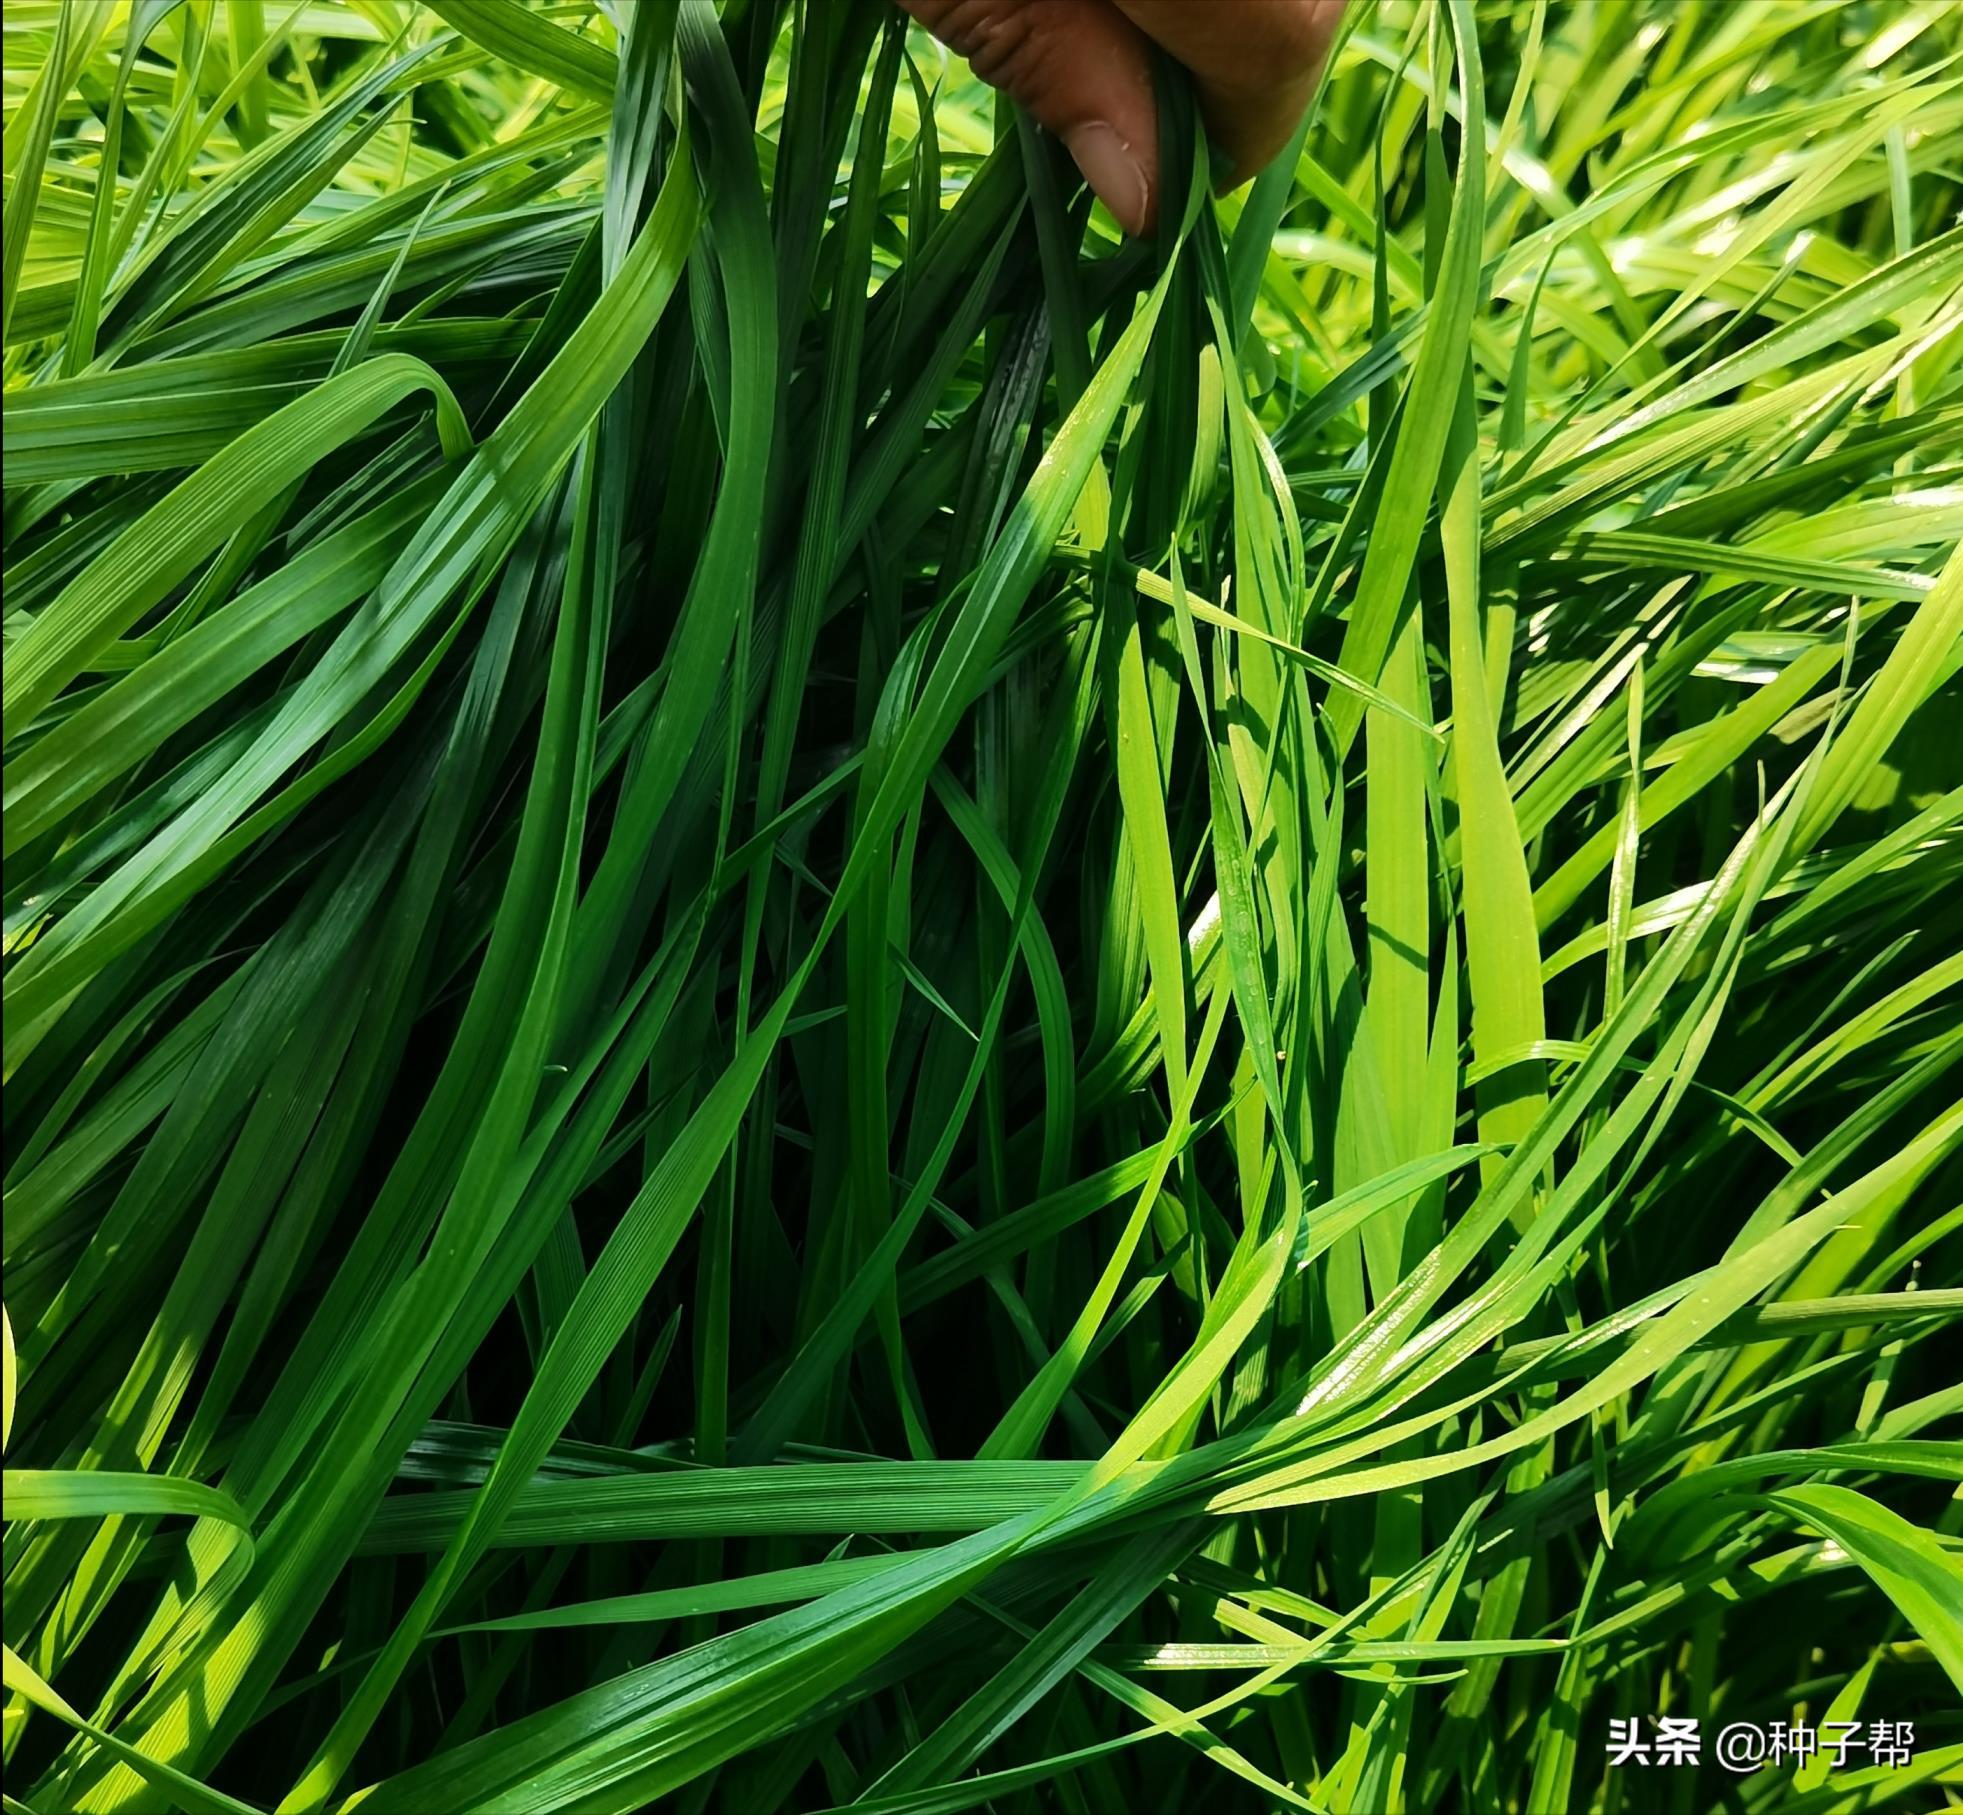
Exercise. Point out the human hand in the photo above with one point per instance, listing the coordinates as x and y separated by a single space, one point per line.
1083 68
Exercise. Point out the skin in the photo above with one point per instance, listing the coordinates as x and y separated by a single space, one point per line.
1083 68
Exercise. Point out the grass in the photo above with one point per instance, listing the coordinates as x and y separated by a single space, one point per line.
818 994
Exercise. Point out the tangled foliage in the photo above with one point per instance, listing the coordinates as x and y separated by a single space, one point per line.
820 993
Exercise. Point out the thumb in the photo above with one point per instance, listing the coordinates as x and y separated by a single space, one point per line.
1078 67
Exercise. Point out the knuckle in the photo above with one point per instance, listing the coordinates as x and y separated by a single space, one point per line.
1009 44
1006 49
952 21
970 28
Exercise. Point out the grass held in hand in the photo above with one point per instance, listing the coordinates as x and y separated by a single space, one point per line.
821 992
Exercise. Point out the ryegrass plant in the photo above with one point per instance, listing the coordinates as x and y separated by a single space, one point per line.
821 994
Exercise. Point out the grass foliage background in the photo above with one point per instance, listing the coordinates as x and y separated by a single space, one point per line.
818 994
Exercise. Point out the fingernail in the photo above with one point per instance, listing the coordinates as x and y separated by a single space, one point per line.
1111 170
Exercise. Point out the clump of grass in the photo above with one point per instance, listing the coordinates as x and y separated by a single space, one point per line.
820 994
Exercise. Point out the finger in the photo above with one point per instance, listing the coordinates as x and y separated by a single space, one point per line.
1078 67
1255 64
